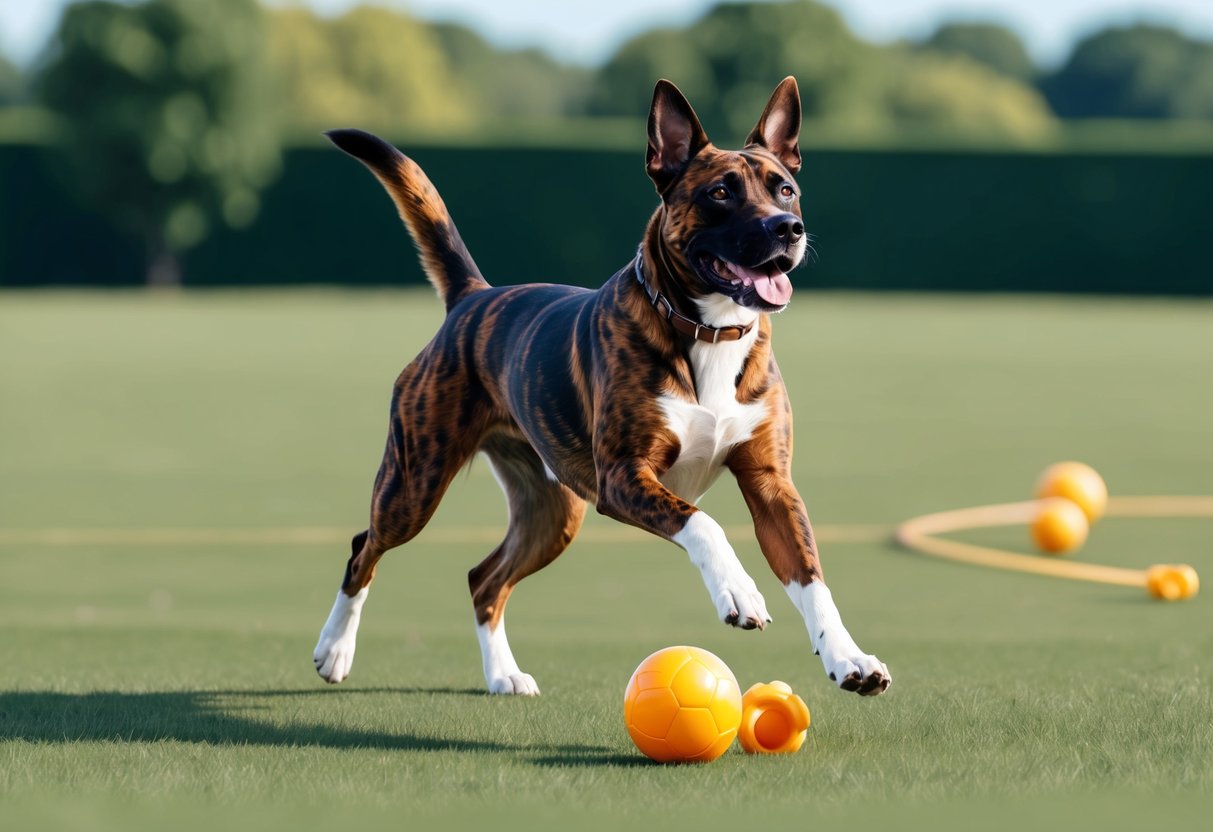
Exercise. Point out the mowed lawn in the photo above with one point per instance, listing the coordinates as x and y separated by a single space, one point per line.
178 475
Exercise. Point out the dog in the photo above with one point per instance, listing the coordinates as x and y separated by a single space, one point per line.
633 397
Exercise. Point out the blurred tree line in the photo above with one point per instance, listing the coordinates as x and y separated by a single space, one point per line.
726 61
173 111
382 69
11 83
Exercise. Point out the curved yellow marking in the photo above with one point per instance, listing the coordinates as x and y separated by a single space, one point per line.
919 534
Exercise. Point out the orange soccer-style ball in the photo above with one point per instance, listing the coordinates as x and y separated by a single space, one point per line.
682 705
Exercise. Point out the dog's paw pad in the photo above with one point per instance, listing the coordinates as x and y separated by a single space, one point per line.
865 675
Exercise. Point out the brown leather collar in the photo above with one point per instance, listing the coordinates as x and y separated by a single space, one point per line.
683 324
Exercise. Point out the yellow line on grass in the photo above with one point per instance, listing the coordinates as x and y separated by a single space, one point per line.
340 535
910 533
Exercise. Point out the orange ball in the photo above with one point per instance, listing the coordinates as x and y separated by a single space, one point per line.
682 705
1172 582
1060 526
1078 483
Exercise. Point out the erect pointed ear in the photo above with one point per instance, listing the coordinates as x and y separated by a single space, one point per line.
675 135
779 128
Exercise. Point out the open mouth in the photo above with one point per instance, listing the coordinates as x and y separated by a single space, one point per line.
769 280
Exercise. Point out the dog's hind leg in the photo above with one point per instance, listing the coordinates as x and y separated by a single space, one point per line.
435 428
544 517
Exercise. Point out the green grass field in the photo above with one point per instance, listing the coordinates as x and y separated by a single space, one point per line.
177 475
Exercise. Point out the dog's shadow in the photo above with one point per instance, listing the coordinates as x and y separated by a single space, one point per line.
229 717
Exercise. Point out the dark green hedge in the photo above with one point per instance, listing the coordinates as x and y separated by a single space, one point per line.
974 221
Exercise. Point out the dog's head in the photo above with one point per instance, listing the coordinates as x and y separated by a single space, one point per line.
732 222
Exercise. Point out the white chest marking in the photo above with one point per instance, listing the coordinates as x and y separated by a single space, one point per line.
709 428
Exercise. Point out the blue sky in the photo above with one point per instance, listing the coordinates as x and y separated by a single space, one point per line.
586 32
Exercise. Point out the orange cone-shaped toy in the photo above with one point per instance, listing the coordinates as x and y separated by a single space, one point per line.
773 719
1165 581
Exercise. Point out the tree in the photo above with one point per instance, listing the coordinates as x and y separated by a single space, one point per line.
933 90
381 69
1136 72
753 46
994 46
163 105
511 83
728 61
624 86
371 67
11 83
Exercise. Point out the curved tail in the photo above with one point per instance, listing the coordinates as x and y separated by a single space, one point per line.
444 257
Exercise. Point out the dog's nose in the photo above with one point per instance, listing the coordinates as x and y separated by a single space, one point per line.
787 228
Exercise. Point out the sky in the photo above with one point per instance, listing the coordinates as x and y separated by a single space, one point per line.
587 32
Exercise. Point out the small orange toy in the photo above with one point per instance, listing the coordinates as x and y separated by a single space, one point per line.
1172 581
1077 482
682 705
1060 526
773 719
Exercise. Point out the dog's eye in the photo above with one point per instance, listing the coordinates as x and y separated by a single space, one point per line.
719 193
787 191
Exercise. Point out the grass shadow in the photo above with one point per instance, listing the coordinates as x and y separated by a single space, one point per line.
572 759
218 718
343 690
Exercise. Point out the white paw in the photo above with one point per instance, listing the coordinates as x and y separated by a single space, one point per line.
334 653
862 674
739 603
737 599
519 684
846 665
333 658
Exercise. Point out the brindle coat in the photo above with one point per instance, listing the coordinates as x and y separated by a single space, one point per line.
558 385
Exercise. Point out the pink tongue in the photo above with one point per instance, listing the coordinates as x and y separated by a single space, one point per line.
774 288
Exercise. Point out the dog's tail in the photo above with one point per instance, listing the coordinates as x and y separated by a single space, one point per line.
444 257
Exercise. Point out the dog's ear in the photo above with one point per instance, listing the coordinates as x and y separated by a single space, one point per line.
675 135
779 128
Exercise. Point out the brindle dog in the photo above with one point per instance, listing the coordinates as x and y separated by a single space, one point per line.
633 397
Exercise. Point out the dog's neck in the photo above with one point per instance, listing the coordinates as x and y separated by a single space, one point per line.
693 329
658 268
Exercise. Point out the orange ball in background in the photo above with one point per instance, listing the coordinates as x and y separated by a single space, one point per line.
1078 483
1060 526
682 705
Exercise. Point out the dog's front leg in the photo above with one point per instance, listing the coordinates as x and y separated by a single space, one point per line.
631 492
781 524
